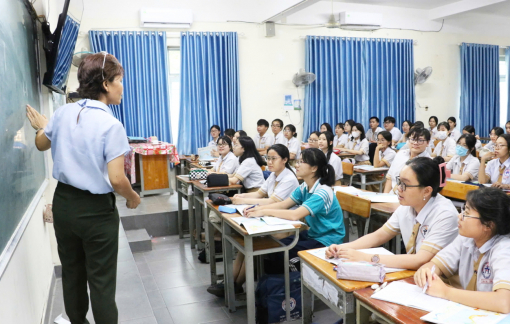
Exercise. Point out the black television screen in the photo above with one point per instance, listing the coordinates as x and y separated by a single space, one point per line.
59 45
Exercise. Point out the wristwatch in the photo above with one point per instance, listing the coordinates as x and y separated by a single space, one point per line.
375 258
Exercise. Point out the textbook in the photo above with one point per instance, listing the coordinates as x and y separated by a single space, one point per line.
455 313
256 225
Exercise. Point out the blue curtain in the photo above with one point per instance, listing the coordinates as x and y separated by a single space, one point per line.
358 78
144 110
210 92
479 91
65 52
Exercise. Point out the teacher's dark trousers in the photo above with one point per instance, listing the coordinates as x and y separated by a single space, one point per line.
87 231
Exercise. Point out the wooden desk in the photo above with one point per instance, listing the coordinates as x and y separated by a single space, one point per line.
314 270
201 192
457 190
184 185
234 235
363 175
385 311
344 155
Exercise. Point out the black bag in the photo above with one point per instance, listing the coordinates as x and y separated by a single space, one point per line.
217 180
219 199
270 298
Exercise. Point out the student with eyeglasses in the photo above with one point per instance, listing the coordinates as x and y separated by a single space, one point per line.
88 145
277 187
277 128
493 135
227 161
313 140
418 141
497 170
477 262
215 131
316 203
464 164
292 143
426 220
250 163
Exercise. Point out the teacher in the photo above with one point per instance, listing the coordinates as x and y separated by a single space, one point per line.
88 145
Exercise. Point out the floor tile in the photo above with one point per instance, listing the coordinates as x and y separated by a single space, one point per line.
163 316
146 320
174 265
186 295
158 255
197 313
149 283
156 300
167 280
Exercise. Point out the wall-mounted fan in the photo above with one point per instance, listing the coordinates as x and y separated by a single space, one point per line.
303 78
421 75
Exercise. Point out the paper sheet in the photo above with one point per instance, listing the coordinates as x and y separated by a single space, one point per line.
279 221
350 190
60 320
255 225
380 197
239 208
321 254
369 168
454 313
409 295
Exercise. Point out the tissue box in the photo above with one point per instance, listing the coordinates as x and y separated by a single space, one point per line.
361 271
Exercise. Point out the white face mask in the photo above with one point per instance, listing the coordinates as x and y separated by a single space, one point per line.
441 135
355 134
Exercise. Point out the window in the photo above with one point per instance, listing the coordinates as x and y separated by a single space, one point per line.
174 88
503 90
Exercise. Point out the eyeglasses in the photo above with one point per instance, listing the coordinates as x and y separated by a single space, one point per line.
104 60
381 140
222 145
312 141
403 186
463 213
278 126
417 140
272 158
498 146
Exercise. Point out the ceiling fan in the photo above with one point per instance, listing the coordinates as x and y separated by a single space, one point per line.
332 23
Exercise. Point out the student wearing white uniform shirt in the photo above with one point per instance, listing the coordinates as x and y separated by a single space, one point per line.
264 138
371 134
433 121
238 134
426 220
358 145
494 134
446 145
497 171
227 161
349 123
464 164
277 129
313 140
418 140
250 163
215 131
384 154
326 146
326 127
340 137
406 127
468 129
479 256
292 143
389 125
454 132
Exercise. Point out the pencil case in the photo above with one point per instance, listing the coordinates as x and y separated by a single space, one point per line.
361 271
227 210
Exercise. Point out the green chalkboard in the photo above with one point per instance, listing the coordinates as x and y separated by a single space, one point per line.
22 168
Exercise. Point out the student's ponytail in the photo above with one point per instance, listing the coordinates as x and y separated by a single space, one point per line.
325 172
328 176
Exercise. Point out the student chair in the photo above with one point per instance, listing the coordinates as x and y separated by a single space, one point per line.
354 207
348 170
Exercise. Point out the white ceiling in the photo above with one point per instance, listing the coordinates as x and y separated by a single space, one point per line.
415 4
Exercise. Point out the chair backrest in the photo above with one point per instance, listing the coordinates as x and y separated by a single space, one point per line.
348 168
457 190
435 142
371 152
478 154
354 204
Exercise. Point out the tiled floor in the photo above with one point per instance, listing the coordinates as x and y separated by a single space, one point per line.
168 284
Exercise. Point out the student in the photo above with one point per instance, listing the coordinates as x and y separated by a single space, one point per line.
374 129
278 187
349 123
316 203
497 170
230 133
313 140
406 127
384 154
471 130
358 145
326 127
418 123
433 126
277 128
215 134
426 220
238 134
264 139
326 146
418 140
250 163
494 134
340 137
227 161
464 164
446 145
479 256
507 127
389 125
292 143
454 132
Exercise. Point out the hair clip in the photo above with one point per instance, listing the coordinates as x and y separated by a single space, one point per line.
442 177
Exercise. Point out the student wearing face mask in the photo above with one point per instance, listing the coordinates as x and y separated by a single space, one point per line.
446 145
326 146
464 164
358 145
497 170
494 134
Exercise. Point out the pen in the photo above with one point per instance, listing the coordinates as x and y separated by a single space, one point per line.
251 207
427 283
